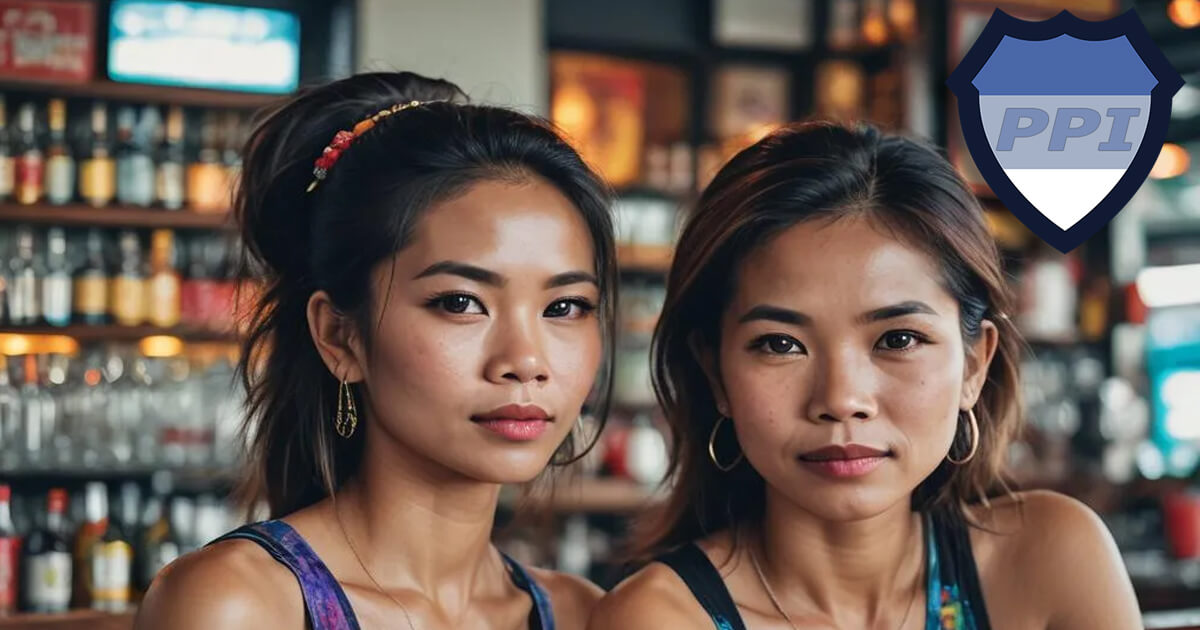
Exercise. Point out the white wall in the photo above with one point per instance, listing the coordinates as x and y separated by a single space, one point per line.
493 49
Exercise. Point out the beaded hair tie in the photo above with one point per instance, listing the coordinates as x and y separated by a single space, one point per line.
343 139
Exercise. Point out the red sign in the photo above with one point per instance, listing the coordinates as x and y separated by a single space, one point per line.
47 41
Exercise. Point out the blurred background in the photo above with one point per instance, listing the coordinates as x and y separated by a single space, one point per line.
120 124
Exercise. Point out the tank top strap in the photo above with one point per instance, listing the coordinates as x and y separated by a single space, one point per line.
324 600
542 615
954 595
706 584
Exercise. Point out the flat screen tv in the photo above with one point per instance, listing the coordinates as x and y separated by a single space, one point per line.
203 44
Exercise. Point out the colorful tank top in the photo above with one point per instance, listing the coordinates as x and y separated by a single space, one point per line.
324 600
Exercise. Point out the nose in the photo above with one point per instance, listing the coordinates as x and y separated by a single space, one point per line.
842 390
517 355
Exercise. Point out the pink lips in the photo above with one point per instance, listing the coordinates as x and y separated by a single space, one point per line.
518 423
844 462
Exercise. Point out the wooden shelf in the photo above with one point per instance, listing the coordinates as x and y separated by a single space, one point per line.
114 216
114 332
645 258
73 620
145 93
590 495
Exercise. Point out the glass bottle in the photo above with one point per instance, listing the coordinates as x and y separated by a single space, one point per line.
56 282
29 163
47 560
97 168
60 163
91 283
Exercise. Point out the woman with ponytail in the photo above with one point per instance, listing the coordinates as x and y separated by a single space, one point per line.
438 305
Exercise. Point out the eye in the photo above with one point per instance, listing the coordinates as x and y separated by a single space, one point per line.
458 304
779 344
899 340
569 308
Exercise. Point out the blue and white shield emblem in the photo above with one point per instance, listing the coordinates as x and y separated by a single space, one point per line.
1064 117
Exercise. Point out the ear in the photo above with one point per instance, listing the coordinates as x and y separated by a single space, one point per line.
336 339
979 359
706 357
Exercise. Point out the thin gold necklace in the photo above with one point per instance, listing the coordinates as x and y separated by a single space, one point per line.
337 515
762 579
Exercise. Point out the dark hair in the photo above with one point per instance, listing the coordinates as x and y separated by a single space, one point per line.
364 211
820 171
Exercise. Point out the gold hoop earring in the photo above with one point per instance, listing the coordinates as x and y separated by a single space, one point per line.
347 415
974 424
712 449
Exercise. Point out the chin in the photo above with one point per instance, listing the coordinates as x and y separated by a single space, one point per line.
490 466
851 502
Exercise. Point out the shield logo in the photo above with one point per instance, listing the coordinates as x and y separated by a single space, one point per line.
1064 117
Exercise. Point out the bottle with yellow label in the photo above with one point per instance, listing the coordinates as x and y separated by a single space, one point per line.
163 286
112 556
97 168
127 299
90 296
207 177
7 170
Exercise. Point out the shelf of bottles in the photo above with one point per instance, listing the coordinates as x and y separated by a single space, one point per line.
118 289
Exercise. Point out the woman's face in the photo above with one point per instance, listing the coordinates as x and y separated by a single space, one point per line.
488 339
843 367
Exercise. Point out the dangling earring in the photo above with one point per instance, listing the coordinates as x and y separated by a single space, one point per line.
712 449
974 424
347 415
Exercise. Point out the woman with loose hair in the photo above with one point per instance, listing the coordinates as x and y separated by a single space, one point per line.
838 366
438 301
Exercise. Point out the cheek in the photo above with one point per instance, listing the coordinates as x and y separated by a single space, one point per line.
922 401
573 354
765 400
417 365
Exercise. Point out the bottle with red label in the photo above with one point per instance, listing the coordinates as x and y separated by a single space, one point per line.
46 570
10 546
30 163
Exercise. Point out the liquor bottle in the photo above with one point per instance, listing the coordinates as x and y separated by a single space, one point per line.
163 285
135 167
24 307
170 175
10 547
60 163
97 169
47 560
7 170
56 283
843 31
11 429
90 532
29 161
112 556
206 177
231 153
127 300
34 437
162 543
91 283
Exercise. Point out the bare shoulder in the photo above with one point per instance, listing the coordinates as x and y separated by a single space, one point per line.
233 584
571 596
1057 556
651 599
1032 524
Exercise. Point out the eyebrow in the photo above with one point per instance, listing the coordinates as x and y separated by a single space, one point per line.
489 277
766 312
910 307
